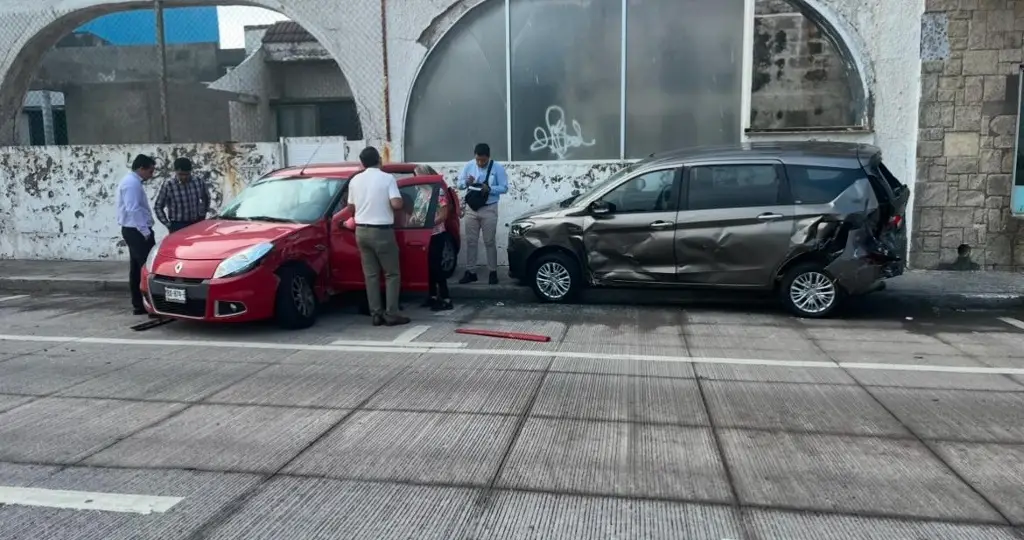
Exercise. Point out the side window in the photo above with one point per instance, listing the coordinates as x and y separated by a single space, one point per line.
651 192
417 212
820 185
733 186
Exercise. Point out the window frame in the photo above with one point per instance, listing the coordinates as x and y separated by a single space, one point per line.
783 196
677 172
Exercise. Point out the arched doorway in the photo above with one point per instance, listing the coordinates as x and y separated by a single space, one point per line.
260 99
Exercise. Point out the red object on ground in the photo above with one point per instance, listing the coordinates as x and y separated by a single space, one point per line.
506 335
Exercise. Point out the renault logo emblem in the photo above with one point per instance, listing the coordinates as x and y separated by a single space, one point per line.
177 268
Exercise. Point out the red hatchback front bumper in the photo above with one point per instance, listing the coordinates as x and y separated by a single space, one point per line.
245 298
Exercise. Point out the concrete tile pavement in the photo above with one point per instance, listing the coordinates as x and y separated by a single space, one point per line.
960 289
506 443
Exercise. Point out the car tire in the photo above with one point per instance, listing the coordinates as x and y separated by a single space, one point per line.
809 292
555 278
296 303
449 257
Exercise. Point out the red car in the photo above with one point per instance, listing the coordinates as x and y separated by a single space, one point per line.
282 247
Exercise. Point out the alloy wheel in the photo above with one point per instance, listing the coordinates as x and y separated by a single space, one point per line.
302 295
553 280
812 292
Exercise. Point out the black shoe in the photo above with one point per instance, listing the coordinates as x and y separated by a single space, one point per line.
140 311
493 279
430 302
470 277
396 320
443 305
378 320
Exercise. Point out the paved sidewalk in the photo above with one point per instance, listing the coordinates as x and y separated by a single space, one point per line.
947 288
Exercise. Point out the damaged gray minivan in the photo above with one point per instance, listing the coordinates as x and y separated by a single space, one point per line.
812 222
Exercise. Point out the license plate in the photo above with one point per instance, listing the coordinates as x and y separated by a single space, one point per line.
175 295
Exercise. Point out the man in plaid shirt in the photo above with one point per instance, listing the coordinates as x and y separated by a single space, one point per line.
184 199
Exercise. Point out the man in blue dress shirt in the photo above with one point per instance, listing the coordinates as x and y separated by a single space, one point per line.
484 220
136 219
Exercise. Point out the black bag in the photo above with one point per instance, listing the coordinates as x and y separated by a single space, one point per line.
477 199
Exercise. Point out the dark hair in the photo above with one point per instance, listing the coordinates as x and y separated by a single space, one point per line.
369 157
183 164
142 161
482 149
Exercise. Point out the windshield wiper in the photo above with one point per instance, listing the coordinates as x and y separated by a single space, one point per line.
270 219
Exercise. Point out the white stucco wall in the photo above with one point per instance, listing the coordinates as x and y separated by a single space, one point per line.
882 34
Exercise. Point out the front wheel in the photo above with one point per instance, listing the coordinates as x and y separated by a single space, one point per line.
555 277
296 302
808 291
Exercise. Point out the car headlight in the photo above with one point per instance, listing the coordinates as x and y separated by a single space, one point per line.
519 228
243 261
151 258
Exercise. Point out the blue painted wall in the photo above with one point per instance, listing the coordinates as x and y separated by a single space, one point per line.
182 25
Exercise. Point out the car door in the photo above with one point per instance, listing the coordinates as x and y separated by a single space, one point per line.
629 236
412 234
735 225
414 225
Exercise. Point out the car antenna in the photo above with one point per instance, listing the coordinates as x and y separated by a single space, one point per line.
316 150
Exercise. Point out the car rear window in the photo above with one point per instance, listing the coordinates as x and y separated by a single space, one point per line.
820 185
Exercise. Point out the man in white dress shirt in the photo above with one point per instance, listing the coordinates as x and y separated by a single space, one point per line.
374 198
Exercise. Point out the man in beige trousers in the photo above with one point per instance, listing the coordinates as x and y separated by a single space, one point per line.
489 180
373 197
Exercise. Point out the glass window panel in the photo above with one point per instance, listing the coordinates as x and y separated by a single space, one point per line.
459 96
683 74
417 199
733 186
296 121
566 58
651 192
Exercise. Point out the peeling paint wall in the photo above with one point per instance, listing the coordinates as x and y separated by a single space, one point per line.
60 202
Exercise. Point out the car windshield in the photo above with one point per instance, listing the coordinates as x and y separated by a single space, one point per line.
284 199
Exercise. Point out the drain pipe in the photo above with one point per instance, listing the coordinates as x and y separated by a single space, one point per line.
387 90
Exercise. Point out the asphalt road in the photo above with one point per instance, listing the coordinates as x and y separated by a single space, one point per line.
707 422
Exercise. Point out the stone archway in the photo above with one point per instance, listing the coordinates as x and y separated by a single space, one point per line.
42 23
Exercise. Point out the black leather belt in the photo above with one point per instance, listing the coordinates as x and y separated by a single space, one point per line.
368 226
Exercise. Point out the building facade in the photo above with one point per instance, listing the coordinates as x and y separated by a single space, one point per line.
567 91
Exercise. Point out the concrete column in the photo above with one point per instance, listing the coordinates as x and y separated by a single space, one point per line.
48 136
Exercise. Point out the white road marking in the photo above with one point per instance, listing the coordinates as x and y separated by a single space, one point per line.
1013 322
538 353
411 334
15 297
85 500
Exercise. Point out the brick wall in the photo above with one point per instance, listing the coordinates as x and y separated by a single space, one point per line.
971 51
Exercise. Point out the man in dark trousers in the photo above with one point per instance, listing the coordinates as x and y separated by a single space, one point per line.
136 220
182 200
373 198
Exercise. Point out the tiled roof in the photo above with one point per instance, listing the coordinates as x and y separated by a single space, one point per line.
287 32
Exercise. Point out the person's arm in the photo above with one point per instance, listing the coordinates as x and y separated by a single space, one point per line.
464 178
159 204
395 195
441 214
500 186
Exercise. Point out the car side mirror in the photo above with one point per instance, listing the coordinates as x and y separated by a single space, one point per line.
601 208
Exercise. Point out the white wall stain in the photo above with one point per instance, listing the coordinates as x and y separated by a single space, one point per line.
556 136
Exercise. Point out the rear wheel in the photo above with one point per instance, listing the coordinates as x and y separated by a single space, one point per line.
808 291
555 277
296 302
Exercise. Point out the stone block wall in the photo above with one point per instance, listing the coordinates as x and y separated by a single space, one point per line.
971 52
